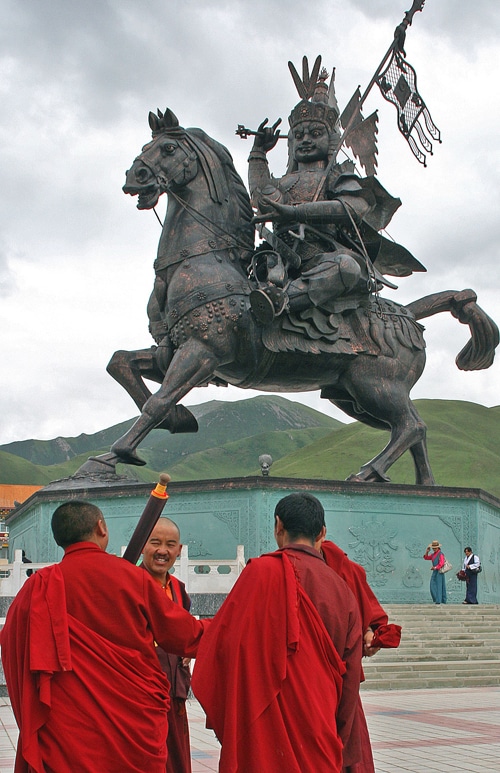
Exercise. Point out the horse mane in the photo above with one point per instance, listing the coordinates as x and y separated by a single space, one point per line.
236 197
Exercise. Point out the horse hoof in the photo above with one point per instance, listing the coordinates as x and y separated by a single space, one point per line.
353 478
368 476
100 465
127 456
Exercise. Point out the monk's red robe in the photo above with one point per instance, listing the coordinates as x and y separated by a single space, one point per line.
277 672
358 755
80 664
372 613
179 677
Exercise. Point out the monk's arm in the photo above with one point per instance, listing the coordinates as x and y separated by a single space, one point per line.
174 629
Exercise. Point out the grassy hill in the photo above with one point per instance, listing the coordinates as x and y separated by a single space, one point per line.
463 440
42 461
240 457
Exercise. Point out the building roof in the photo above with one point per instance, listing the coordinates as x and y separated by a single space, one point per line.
11 493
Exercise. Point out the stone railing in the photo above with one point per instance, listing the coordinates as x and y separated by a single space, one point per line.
214 576
199 575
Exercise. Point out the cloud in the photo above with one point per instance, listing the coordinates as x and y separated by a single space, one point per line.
77 81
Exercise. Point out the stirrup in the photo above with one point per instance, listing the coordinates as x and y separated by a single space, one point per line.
262 306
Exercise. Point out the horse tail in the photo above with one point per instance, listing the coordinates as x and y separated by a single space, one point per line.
479 351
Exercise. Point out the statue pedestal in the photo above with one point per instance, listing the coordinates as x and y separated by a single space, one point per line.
384 527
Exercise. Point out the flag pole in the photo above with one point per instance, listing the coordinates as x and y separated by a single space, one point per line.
147 521
397 43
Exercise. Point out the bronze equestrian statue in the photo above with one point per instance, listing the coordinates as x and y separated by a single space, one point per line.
302 312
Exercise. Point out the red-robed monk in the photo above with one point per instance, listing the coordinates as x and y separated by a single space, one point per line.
79 658
278 671
158 557
373 616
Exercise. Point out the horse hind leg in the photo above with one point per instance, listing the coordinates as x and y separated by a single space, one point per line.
423 472
408 432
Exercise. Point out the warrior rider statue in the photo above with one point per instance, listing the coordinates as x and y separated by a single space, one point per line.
325 250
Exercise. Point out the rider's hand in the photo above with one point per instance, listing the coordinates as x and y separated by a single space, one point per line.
284 213
267 136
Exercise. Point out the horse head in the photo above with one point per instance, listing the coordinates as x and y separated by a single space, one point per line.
168 162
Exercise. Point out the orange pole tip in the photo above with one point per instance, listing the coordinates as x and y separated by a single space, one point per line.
160 489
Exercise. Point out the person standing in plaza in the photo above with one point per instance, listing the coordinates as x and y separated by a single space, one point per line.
158 557
78 652
278 676
472 567
438 584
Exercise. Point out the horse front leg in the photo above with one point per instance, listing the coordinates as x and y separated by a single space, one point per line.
130 369
192 365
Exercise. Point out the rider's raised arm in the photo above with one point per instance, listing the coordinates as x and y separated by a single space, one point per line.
259 177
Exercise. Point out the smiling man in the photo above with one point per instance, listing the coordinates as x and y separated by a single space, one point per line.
159 555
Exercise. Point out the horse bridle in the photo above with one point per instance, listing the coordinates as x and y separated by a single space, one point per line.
162 182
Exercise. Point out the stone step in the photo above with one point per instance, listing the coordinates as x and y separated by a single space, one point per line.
445 610
472 668
419 683
488 610
441 632
408 657
454 636
442 646
467 622
430 605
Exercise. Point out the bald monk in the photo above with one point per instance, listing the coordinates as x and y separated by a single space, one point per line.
158 557
278 671
79 658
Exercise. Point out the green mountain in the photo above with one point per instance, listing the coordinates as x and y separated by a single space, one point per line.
240 457
220 423
463 441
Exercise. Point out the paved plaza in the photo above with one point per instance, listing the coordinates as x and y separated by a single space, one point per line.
439 731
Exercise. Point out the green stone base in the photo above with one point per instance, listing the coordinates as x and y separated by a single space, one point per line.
384 527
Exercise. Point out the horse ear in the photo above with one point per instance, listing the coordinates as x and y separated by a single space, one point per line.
170 120
154 124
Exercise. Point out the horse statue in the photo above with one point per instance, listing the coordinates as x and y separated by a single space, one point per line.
365 360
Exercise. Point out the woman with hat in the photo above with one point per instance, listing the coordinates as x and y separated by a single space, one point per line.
438 584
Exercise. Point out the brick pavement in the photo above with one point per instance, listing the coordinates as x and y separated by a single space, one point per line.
439 731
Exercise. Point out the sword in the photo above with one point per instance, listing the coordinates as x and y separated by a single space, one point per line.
148 519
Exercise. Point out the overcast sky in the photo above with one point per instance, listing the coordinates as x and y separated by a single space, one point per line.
76 256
